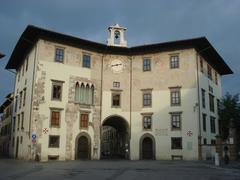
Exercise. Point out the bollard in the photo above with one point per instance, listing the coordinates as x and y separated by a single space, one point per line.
217 163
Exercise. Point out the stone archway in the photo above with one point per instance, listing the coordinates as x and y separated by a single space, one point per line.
147 147
115 138
83 147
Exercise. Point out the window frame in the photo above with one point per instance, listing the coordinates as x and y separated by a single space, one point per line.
213 124
113 94
84 63
52 136
57 83
174 90
174 147
174 61
147 66
83 122
57 55
211 103
144 116
203 98
178 114
51 125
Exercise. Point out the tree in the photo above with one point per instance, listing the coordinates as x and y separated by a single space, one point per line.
229 115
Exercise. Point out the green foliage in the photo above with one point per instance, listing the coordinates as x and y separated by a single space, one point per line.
229 114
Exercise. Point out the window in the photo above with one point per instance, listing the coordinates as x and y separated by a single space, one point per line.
116 84
55 118
86 61
211 102
16 103
175 120
204 141
54 141
21 140
218 106
204 116
18 121
26 64
209 72
174 61
147 99
84 94
116 99
59 55
203 99
22 124
84 120
216 78
24 96
147 122
20 100
210 88
176 142
212 124
14 124
213 141
175 96
201 64
56 90
13 141
146 64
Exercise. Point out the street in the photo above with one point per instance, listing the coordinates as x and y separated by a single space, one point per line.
115 170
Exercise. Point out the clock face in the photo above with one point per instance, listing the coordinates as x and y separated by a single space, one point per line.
117 66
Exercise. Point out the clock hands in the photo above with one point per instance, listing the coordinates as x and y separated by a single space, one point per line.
116 64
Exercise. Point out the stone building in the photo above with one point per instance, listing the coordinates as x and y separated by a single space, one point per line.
160 99
5 126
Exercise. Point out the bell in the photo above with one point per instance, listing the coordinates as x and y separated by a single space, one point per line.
116 36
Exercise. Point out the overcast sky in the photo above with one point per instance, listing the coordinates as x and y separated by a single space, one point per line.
147 21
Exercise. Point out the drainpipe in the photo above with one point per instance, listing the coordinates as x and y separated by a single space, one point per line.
199 114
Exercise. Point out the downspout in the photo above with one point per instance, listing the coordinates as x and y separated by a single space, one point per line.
199 114
130 120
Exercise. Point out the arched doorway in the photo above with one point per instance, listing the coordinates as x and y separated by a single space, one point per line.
115 138
83 147
147 147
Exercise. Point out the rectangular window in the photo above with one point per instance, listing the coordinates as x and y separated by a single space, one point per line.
18 121
55 118
204 141
211 102
21 140
203 99
147 122
54 141
84 120
209 71
13 141
146 64
204 116
216 78
16 103
86 61
175 97
212 124
14 124
218 106
176 142
176 120
201 64
59 55
22 124
20 100
213 141
24 96
174 61
147 99
26 64
116 84
56 90
116 99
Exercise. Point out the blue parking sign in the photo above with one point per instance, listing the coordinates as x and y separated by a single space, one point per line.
34 136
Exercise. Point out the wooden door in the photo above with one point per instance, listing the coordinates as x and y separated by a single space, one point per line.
147 148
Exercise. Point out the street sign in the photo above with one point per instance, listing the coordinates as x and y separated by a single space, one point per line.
34 136
45 130
34 141
189 133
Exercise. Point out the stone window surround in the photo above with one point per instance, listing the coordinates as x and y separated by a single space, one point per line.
58 145
146 91
176 148
59 47
173 89
84 112
145 69
180 119
87 54
55 109
149 114
116 91
57 82
177 54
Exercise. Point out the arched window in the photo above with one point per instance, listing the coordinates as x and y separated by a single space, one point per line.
82 88
87 90
92 95
77 92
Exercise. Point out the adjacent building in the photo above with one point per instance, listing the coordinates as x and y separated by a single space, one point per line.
78 99
5 126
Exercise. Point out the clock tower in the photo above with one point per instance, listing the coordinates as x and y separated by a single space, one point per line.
117 36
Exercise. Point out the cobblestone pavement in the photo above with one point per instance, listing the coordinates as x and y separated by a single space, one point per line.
117 170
